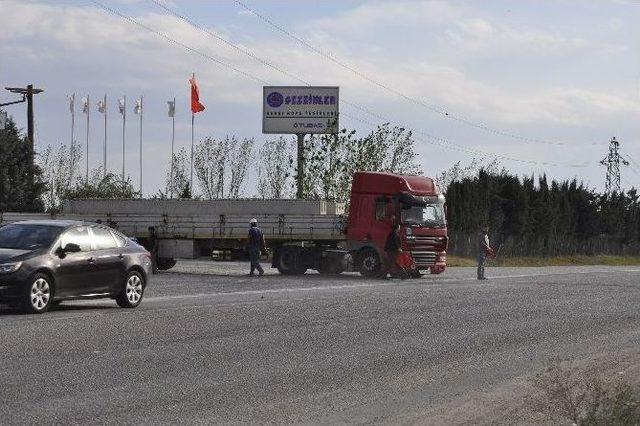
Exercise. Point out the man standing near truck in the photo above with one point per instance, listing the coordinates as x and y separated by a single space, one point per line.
256 243
392 248
484 250
153 248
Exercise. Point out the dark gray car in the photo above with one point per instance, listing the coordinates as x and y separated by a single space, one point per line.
45 262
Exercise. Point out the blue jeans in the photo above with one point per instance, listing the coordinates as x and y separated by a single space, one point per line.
254 256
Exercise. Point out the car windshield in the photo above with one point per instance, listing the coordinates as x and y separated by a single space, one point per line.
429 215
28 236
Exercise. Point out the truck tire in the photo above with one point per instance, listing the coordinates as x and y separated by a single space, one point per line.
166 263
289 262
369 263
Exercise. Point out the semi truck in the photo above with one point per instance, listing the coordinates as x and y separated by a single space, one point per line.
377 201
302 235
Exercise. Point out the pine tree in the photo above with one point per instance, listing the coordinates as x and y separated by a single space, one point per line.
21 185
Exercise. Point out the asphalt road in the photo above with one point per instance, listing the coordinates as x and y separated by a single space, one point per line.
216 347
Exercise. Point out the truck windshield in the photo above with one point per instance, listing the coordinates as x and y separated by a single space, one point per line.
27 236
429 215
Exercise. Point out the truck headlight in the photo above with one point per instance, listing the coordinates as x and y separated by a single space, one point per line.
7 268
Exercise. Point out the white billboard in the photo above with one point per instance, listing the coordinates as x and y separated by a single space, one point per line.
300 109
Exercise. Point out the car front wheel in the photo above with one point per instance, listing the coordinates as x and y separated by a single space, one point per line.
38 295
131 294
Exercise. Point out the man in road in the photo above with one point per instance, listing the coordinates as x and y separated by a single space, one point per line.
256 243
392 248
153 248
484 250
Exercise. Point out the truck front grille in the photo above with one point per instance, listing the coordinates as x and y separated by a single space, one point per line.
426 258
427 240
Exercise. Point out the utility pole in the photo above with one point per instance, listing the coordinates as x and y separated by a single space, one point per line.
612 161
27 93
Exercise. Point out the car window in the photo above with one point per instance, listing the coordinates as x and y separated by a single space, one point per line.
120 239
28 236
102 238
78 235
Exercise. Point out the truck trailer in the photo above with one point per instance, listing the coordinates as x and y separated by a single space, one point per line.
301 234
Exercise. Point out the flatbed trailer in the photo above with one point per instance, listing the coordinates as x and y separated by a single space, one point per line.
302 234
188 229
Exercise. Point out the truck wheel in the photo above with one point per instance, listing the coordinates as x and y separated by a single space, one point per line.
289 263
416 274
370 265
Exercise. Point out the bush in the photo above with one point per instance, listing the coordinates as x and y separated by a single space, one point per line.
586 398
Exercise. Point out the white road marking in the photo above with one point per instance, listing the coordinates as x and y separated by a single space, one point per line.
49 318
371 285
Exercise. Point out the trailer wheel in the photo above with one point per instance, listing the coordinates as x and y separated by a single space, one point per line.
370 265
166 263
289 262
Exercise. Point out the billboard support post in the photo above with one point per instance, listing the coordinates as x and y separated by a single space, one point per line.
300 110
300 173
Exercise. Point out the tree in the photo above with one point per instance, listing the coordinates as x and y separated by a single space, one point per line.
210 162
457 172
240 156
21 184
275 168
110 186
331 160
178 184
61 173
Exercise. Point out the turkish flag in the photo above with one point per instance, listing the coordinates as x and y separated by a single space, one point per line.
196 106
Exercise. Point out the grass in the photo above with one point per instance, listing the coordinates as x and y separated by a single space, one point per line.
576 260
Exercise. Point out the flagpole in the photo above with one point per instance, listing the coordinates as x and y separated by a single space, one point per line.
141 112
192 137
173 141
73 125
104 148
193 77
87 147
124 120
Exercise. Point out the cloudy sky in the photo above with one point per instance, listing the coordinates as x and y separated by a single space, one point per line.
543 85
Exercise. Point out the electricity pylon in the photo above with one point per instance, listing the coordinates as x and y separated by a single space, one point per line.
613 161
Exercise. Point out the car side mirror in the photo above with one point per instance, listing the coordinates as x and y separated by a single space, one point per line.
71 248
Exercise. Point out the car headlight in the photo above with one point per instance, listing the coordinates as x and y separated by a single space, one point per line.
7 268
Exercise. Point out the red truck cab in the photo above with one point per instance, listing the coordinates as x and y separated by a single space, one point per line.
380 199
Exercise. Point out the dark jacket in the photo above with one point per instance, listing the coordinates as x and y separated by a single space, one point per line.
392 244
256 238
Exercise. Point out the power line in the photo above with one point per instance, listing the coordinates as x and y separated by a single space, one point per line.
227 42
173 41
444 143
432 139
249 53
432 107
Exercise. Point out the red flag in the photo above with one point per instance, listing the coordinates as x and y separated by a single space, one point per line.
196 106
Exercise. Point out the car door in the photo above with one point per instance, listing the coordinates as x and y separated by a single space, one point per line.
109 259
75 271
